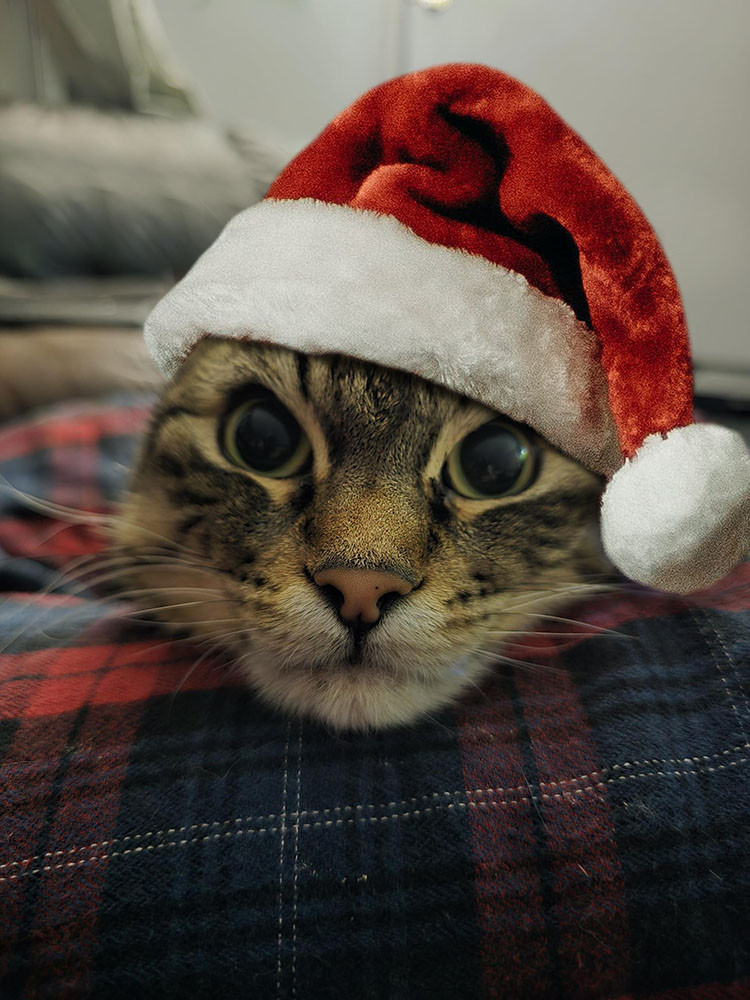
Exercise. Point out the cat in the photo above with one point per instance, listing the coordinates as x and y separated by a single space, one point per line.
360 540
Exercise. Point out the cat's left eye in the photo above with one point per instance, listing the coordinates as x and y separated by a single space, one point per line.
261 435
494 461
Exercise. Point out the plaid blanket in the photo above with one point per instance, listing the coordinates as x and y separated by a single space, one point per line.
580 827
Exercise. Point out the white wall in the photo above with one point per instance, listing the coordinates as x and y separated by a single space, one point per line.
282 67
658 87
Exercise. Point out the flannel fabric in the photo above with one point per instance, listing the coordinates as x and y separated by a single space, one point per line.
579 828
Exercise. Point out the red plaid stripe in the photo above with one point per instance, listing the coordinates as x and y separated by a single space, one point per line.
74 426
50 682
507 880
592 936
591 951
66 907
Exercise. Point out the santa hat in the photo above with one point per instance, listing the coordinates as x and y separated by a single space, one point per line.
450 224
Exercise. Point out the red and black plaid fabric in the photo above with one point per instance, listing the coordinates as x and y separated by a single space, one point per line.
579 828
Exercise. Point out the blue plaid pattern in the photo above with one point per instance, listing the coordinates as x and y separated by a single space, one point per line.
579 828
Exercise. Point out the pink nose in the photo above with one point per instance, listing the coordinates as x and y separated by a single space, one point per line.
362 590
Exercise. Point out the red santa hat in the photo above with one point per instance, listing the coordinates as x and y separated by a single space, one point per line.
450 224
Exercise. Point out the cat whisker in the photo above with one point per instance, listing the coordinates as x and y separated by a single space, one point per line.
75 515
168 590
59 511
135 614
114 563
79 567
54 532
158 552
535 597
36 622
244 631
182 623
191 670
112 602
82 583
521 664
233 664
589 628
522 635
211 651
171 543
117 566
79 562
215 637
194 640
428 715
580 582
470 680
169 607
171 562
576 621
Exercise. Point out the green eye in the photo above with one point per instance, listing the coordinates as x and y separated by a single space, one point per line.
493 461
261 435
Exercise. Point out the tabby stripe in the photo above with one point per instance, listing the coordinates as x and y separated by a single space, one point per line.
302 371
302 498
547 541
189 523
163 416
533 558
169 465
198 464
433 541
188 496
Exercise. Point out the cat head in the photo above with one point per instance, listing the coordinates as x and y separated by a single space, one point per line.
359 539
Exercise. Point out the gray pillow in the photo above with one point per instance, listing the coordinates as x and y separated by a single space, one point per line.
86 192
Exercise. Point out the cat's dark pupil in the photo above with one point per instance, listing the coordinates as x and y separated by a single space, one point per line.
267 436
492 459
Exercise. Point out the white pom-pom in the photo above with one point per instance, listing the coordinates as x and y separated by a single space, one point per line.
677 515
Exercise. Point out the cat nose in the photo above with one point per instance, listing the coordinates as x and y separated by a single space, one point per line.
360 591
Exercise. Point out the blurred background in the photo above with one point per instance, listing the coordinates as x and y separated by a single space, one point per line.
130 130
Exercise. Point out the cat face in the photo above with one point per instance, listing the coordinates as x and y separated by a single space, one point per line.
359 540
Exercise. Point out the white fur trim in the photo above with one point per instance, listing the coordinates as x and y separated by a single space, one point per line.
677 516
324 279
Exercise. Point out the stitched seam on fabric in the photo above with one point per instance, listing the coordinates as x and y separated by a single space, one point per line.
646 762
334 810
282 830
297 814
733 666
484 803
712 652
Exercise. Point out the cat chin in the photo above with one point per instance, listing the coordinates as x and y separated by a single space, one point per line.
356 699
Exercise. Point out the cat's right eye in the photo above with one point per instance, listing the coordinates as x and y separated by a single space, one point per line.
494 461
261 435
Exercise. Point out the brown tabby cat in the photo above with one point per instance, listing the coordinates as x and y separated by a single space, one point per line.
360 539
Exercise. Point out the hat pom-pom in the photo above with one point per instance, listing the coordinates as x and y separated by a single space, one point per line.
677 515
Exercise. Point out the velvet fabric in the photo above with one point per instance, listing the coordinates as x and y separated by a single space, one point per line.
324 279
469 158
